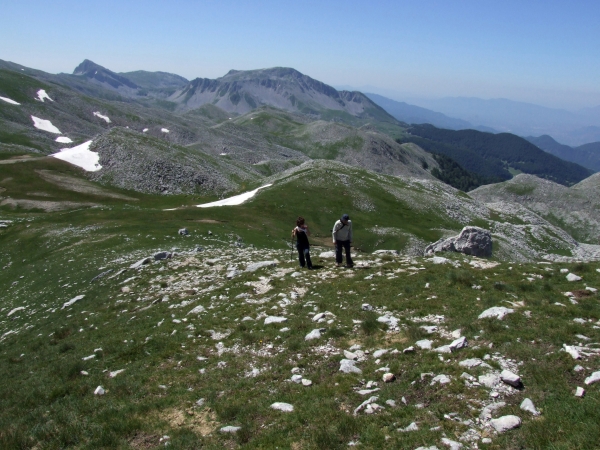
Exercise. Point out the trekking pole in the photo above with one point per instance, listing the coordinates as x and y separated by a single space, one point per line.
292 249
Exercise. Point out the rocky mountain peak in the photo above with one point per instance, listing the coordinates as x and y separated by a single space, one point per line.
102 75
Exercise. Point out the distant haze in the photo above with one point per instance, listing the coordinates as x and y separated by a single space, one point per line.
537 52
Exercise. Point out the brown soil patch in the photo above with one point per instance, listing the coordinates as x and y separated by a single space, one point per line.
395 338
202 422
207 221
44 205
144 440
78 185
18 159
581 293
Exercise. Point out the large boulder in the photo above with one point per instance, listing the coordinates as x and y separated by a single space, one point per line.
472 241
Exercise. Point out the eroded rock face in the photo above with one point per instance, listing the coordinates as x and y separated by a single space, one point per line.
473 241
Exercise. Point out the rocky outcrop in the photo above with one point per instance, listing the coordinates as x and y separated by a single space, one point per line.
473 241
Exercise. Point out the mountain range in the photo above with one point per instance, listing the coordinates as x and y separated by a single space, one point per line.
521 118
218 134
586 155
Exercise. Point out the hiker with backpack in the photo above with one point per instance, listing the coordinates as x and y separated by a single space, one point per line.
301 233
342 238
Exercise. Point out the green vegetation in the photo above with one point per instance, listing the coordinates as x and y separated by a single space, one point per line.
495 154
520 189
136 322
453 174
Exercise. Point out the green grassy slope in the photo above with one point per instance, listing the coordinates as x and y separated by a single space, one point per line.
138 320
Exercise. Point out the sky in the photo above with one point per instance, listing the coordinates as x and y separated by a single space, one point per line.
539 51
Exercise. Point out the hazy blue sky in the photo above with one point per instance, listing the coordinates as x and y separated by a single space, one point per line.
541 51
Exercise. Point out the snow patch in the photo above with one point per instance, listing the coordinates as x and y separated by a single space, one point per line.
41 95
97 114
164 130
44 125
63 140
235 200
81 156
8 100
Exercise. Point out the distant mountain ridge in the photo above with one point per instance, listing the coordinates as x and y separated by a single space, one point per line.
496 155
522 118
405 112
280 87
101 75
587 155
238 91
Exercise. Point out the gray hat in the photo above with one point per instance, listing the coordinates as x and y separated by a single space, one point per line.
345 217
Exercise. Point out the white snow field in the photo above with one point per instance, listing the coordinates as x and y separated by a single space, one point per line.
144 130
81 156
63 140
43 95
97 114
8 100
235 200
164 130
44 125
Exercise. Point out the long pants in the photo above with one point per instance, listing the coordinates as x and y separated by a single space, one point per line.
304 257
338 252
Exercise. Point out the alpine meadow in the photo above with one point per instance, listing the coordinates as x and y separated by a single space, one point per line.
151 294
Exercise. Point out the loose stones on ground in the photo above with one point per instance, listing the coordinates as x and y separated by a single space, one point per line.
505 423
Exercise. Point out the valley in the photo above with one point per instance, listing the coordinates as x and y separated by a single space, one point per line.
133 318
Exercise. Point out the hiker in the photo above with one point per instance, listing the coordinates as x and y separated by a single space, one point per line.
342 237
301 233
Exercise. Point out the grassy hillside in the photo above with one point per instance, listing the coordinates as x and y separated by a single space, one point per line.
179 377
575 209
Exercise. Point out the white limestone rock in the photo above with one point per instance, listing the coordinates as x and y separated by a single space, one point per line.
349 366
230 429
527 405
200 309
505 423
140 263
571 351
314 334
253 267
443 349
489 380
580 392
593 378
486 413
297 379
412 427
424 344
459 343
510 378
274 319
280 406
388 377
573 277
497 312
452 445
364 404
440 379
99 391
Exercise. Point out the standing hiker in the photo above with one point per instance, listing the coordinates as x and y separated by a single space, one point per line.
301 233
342 238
